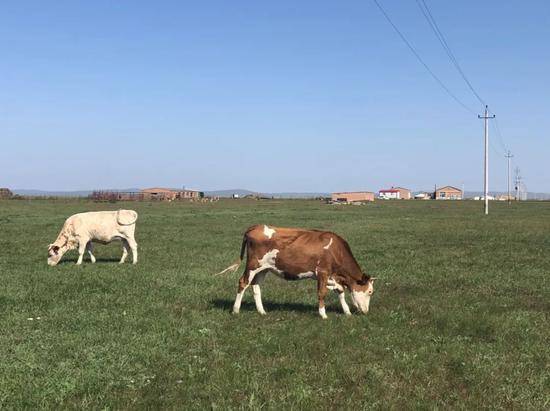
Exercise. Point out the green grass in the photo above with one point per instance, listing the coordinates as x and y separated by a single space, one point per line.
459 318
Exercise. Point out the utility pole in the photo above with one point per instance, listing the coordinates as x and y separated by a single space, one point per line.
509 156
486 117
518 182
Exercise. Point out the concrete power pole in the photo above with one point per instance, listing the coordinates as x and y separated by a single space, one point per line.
509 156
486 117
518 182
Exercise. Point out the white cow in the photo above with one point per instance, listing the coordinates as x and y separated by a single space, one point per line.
80 230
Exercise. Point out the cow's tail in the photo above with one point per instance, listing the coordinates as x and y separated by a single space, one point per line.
233 267
126 217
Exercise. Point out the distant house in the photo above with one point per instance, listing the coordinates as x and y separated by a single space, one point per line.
504 197
389 194
405 193
5 193
448 193
423 196
169 194
482 198
397 193
352 196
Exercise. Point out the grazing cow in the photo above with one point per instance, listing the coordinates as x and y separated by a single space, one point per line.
80 230
296 254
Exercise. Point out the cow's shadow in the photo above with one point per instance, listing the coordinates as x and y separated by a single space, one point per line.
88 262
227 305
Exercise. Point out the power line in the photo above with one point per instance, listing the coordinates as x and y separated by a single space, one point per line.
441 38
421 60
435 28
499 135
496 150
439 34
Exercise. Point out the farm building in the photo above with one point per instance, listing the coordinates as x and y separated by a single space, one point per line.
423 196
395 193
169 194
504 197
448 193
5 193
404 193
482 198
112 196
352 196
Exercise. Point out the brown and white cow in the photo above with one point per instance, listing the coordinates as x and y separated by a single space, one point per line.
296 254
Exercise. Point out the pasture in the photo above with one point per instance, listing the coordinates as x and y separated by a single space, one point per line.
459 317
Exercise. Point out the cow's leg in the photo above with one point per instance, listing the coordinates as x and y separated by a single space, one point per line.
343 303
133 246
246 279
243 285
125 248
82 243
332 284
90 249
322 291
258 279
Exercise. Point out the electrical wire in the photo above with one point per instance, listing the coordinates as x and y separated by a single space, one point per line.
435 28
499 135
439 34
495 149
409 45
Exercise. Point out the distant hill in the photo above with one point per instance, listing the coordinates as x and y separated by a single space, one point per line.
220 193
229 193
243 192
76 193
298 195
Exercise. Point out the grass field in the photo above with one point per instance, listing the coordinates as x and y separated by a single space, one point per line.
459 318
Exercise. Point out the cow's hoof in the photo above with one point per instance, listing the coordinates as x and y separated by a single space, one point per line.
262 312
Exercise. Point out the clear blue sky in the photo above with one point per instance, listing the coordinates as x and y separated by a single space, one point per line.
270 96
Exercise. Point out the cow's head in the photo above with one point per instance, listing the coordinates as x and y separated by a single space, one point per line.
361 292
55 253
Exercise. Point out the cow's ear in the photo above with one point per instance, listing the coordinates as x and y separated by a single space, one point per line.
373 278
363 281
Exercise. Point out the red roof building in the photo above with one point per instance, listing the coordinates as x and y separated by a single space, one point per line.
395 193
